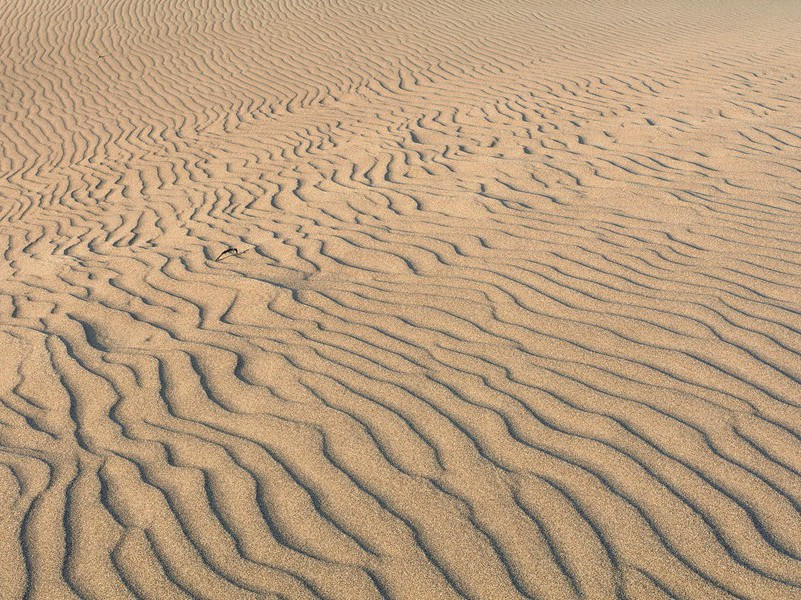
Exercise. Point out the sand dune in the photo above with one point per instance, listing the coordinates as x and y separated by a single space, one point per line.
357 299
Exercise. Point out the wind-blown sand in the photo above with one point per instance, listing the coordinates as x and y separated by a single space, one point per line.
512 306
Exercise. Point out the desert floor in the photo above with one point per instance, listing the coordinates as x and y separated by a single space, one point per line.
354 299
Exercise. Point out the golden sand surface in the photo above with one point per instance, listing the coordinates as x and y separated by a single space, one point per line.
354 299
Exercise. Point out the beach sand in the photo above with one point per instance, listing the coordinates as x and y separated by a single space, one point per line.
351 299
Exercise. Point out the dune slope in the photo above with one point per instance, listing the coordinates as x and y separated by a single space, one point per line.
415 299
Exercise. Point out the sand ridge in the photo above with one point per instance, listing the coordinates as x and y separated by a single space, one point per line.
357 299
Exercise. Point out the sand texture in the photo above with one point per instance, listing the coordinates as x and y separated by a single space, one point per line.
419 299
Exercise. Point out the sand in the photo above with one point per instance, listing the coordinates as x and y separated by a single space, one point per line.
352 299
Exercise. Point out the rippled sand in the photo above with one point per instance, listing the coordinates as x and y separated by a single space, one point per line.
417 299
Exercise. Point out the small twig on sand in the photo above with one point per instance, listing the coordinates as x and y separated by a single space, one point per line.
226 252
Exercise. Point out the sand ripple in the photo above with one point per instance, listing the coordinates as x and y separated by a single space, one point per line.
512 307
